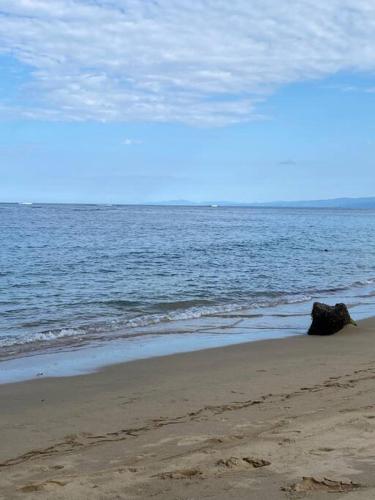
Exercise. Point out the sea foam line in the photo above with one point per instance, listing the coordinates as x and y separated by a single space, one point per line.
177 315
148 320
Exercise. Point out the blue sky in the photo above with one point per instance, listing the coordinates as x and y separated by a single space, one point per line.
131 101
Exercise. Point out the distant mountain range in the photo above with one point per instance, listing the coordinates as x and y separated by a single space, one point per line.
330 203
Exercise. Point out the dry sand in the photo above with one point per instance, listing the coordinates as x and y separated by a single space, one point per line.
267 420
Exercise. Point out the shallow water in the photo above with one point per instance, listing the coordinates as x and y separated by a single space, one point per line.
79 277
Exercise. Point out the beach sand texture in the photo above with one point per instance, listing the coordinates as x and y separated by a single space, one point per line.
290 418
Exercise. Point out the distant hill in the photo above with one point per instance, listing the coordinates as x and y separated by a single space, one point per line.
330 203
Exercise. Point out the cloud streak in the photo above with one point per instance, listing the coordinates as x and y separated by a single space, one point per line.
131 142
207 62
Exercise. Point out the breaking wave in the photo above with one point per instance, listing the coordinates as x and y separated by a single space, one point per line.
175 311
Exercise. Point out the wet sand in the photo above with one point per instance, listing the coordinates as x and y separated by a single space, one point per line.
264 420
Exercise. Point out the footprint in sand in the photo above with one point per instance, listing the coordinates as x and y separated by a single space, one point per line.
34 487
319 451
311 484
234 462
204 439
180 474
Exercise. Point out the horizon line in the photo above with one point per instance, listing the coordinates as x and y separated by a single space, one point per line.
183 202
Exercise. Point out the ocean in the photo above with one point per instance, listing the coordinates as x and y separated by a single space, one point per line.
86 285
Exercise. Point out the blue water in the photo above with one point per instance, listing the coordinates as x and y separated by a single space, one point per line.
74 275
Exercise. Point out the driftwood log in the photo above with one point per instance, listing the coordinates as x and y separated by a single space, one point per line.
327 320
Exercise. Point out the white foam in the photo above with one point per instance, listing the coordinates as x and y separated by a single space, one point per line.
151 319
176 315
41 337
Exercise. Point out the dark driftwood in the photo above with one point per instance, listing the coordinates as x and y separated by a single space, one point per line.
327 320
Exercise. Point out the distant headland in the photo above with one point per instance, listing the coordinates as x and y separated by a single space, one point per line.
368 202
359 203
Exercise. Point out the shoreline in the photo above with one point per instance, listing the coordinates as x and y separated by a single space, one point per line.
157 357
182 425
79 355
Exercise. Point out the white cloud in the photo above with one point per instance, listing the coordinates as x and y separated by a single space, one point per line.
131 142
347 88
207 62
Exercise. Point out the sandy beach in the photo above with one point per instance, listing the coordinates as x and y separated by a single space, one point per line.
187 213
263 420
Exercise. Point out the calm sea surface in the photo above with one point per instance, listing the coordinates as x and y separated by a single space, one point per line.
75 274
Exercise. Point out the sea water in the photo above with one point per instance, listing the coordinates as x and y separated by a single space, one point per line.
87 285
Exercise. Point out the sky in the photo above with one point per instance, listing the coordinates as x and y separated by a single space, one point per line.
136 101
